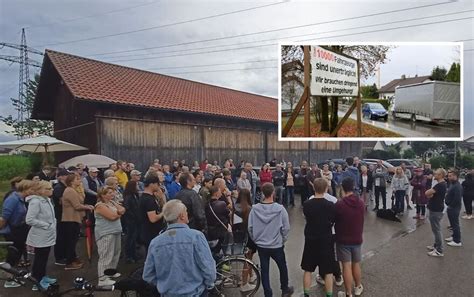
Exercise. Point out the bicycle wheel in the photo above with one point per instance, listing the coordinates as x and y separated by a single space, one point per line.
233 273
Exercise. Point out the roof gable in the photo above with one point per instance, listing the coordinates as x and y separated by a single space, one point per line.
104 82
390 87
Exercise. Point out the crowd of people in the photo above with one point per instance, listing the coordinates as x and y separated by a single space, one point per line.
185 215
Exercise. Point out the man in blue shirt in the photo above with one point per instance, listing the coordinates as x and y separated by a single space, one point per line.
179 261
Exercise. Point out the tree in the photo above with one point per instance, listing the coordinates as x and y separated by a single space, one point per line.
409 154
438 73
290 94
420 147
27 127
369 92
454 74
439 162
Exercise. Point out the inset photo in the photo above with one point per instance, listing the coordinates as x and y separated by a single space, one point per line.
360 91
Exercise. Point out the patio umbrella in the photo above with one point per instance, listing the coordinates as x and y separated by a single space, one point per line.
41 144
90 160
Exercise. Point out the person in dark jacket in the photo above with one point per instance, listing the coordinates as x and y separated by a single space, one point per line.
349 225
365 184
418 194
217 217
454 202
58 190
91 184
301 181
197 218
131 219
468 195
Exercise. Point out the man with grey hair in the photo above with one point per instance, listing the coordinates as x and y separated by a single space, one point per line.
188 252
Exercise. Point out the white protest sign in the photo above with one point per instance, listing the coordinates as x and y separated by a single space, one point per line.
333 74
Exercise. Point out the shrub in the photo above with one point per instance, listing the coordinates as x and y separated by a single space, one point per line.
440 162
409 154
11 166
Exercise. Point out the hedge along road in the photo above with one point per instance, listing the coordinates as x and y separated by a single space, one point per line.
407 128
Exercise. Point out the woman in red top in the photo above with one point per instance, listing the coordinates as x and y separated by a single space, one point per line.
265 174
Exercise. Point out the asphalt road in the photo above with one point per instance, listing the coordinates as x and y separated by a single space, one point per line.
407 128
394 261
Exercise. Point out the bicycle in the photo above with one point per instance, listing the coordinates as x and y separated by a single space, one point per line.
231 271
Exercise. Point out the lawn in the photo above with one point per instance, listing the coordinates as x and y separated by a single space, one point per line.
349 129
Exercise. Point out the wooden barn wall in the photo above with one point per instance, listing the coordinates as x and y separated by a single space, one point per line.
142 141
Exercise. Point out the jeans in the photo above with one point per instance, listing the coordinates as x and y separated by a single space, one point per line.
40 261
279 194
71 236
435 221
420 209
290 195
131 240
18 236
453 216
383 191
304 194
278 255
399 201
468 203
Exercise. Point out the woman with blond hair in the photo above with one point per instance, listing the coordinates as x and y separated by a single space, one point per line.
42 234
112 182
73 212
400 185
108 232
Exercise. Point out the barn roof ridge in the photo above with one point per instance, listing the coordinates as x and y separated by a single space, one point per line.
157 73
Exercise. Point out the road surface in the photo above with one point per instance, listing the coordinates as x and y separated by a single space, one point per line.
407 128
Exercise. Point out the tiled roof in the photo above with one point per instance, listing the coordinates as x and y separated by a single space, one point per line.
104 82
390 87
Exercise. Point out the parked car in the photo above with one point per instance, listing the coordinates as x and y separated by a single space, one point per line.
374 111
410 164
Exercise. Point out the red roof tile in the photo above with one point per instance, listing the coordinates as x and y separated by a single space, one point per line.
99 81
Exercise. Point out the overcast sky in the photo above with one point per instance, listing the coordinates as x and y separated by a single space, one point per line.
63 26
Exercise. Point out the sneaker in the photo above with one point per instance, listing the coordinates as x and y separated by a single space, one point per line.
342 294
116 275
430 248
358 290
320 280
49 280
60 262
467 217
452 243
408 207
78 261
288 292
375 209
226 267
339 281
253 278
43 284
422 217
34 288
417 217
435 253
73 266
105 282
449 239
247 287
11 284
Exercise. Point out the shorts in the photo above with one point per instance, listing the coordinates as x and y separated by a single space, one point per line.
349 253
319 253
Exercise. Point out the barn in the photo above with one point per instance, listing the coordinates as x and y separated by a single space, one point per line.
137 115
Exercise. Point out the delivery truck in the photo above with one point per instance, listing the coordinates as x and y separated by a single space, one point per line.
433 101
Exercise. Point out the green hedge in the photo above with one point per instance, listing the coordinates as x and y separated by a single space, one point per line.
11 166
384 102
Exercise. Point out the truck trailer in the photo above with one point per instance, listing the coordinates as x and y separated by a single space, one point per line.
434 101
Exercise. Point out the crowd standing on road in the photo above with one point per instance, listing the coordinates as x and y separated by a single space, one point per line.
184 215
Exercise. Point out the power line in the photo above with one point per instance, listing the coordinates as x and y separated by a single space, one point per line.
32 27
294 36
263 45
165 25
276 30
224 70
209 65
